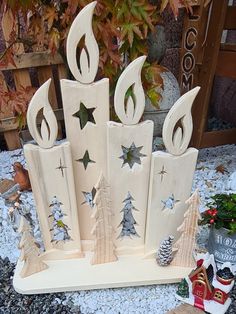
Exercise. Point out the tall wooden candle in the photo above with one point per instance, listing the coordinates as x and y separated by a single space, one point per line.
171 175
129 156
86 111
51 175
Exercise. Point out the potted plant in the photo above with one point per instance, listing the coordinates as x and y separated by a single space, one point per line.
221 217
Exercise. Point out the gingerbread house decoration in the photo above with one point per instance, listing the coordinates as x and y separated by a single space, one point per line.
208 287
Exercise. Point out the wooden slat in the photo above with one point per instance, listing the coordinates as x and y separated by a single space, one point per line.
227 47
21 77
207 71
215 138
45 73
9 124
226 64
230 20
34 59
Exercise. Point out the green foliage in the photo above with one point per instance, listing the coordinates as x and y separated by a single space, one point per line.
221 212
183 289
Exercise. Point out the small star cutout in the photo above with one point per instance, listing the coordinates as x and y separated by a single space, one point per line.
162 172
85 115
61 167
89 197
85 160
170 202
131 155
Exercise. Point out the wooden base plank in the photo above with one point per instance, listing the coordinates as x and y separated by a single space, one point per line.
185 309
79 274
215 138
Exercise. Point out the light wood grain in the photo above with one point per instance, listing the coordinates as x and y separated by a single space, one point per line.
89 57
176 140
186 244
30 252
170 176
47 181
131 112
49 127
79 274
104 248
91 138
122 179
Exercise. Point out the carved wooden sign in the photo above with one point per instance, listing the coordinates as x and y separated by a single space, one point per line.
195 27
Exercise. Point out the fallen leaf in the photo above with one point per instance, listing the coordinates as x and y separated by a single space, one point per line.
209 184
221 168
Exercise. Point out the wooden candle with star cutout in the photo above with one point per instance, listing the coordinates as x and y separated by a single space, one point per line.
86 111
51 175
171 175
129 156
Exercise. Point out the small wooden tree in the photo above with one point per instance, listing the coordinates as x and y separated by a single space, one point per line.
186 244
104 248
29 251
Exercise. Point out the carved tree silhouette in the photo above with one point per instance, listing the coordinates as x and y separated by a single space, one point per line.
30 252
104 248
59 228
128 221
186 244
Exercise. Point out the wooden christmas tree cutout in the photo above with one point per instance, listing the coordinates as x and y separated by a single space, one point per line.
186 244
30 252
104 248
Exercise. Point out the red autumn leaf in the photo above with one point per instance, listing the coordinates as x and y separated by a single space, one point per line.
50 16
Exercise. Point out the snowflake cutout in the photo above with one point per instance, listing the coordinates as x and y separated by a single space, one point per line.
131 155
170 202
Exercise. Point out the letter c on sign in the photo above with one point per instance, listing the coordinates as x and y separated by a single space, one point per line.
189 45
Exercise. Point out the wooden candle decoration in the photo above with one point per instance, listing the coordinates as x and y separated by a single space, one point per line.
171 175
52 180
129 156
114 223
86 111
186 244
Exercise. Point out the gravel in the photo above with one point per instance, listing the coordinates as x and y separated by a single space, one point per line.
156 299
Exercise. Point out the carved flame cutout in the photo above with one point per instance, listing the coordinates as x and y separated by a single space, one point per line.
131 77
176 140
49 127
89 56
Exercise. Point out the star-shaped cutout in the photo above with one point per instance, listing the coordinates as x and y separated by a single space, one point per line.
85 160
61 168
85 115
162 172
170 202
89 197
131 155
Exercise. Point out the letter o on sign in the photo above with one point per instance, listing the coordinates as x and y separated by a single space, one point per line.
188 62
